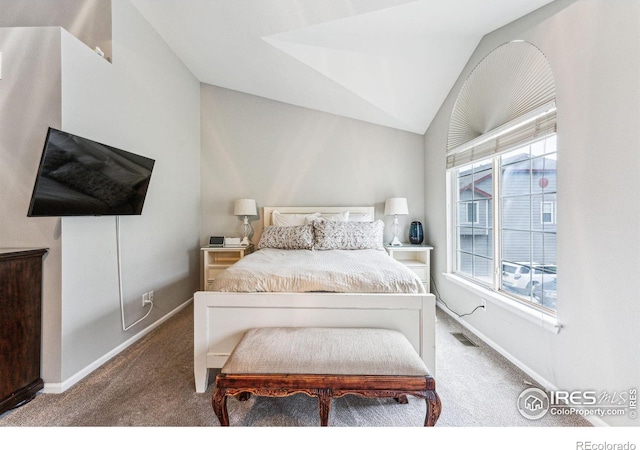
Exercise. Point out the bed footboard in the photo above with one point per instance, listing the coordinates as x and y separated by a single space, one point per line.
221 318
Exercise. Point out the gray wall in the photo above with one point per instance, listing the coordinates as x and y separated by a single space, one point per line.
592 47
283 155
146 102
30 99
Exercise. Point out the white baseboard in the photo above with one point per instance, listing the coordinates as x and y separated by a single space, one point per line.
595 421
59 388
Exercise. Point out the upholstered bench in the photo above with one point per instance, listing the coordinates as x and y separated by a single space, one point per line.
325 363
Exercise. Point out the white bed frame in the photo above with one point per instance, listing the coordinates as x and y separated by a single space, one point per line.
221 318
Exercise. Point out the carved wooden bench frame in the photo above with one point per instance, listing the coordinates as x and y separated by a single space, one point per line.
325 387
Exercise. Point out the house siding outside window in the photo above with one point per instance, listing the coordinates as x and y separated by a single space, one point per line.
518 258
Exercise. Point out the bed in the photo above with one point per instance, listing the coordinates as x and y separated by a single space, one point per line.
289 299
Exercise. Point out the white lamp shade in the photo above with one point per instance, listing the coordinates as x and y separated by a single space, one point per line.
245 207
395 206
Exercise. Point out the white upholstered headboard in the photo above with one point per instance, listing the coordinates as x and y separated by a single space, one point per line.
315 209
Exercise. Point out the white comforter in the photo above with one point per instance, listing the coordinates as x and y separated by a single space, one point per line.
273 270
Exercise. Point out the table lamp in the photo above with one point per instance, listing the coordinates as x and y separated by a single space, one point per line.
245 207
395 207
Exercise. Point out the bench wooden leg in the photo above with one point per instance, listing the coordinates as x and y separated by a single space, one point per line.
402 399
324 405
434 407
219 403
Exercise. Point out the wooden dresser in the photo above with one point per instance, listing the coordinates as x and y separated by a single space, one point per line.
20 325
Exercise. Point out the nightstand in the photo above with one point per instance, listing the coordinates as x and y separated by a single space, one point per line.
415 257
217 259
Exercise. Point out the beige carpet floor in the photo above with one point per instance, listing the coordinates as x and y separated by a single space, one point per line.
150 384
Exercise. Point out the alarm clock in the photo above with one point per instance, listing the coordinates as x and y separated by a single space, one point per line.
216 241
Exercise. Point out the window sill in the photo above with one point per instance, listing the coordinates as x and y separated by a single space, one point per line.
546 321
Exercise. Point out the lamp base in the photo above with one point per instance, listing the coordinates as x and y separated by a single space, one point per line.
245 241
395 241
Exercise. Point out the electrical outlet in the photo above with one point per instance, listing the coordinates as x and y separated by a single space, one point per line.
145 299
483 303
150 296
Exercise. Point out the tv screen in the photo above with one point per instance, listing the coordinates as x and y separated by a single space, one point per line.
81 177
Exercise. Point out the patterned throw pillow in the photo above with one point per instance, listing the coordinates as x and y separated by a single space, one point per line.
348 235
299 237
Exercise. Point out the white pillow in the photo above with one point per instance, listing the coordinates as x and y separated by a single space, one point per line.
279 219
360 217
339 217
291 220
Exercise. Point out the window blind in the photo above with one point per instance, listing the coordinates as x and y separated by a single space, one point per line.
524 130
507 101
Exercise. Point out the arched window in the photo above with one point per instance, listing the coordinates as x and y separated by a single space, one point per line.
502 173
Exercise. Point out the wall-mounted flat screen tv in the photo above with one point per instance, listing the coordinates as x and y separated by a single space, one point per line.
81 177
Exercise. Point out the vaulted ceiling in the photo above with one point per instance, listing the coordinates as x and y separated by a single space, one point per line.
388 62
